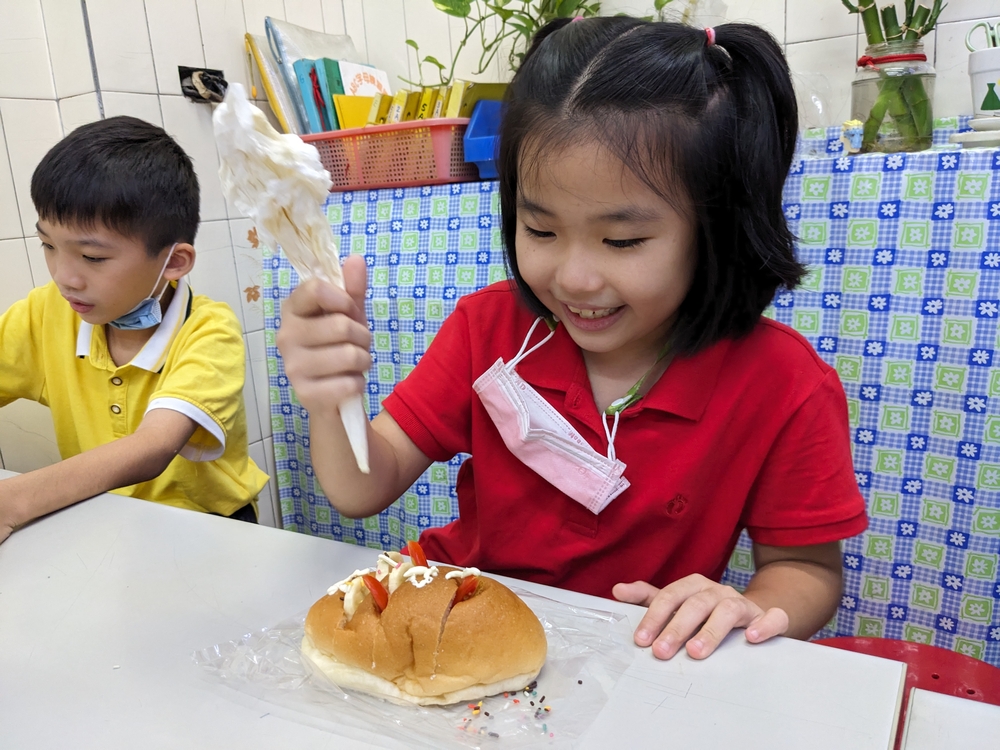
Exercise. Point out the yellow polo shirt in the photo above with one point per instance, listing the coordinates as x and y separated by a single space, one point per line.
194 363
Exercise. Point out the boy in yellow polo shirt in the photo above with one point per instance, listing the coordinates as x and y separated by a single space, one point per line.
143 379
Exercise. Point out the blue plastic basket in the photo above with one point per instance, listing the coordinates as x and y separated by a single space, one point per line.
482 136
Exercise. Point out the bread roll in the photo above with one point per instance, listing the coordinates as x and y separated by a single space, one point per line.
421 649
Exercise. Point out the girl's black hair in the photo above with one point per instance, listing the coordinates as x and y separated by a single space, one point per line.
122 173
708 127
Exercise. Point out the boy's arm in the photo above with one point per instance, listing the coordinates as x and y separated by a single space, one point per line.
794 593
135 458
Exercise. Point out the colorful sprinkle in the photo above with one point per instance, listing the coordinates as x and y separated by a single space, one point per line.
579 682
516 700
494 734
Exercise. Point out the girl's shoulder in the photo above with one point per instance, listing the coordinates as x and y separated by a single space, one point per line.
778 349
498 300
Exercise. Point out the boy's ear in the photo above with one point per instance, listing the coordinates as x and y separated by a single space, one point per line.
181 262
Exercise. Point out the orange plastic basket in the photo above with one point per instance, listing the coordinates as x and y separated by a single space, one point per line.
421 152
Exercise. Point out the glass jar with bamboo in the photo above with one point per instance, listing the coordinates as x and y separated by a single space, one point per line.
894 85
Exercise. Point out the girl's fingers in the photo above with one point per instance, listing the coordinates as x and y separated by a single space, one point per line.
662 605
331 391
323 331
314 297
728 613
355 282
771 623
327 362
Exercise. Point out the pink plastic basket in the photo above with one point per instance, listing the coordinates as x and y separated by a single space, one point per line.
421 152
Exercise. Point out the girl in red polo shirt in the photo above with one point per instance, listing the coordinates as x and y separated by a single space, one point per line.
627 409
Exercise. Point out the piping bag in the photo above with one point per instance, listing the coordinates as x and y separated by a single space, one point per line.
279 182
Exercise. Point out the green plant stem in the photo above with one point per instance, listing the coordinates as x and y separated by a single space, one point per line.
869 17
915 30
919 105
893 33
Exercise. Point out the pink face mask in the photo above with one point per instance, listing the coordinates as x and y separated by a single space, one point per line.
543 440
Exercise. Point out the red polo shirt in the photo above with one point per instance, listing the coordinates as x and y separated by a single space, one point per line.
749 433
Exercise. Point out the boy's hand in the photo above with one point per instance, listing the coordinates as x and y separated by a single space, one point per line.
696 604
324 339
9 500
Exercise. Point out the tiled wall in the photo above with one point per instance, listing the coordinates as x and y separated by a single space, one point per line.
52 80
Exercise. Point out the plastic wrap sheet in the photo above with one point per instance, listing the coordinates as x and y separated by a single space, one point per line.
588 650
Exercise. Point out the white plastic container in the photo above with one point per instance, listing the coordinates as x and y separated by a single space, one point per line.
984 74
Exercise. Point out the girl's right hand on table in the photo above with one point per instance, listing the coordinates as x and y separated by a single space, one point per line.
324 339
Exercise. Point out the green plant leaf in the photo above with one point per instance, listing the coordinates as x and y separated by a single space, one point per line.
413 44
567 8
457 8
660 4
434 61
504 14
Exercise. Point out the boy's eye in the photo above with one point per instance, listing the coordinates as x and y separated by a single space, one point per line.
46 246
622 244
92 259
538 232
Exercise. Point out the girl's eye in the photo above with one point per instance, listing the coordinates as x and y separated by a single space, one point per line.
538 232
622 244
46 246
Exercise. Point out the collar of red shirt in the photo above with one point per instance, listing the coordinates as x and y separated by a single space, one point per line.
684 389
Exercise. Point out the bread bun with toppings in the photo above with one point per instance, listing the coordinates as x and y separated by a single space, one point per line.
429 635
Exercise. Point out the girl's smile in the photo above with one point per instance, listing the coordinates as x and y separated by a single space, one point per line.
604 253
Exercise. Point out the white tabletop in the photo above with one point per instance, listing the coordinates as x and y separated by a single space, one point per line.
941 722
102 605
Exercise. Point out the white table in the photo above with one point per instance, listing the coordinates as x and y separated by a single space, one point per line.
102 605
940 722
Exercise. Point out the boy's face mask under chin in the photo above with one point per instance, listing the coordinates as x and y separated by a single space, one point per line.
148 312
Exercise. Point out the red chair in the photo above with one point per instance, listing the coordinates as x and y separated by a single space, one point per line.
929 668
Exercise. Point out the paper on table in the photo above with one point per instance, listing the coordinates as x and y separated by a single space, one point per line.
280 183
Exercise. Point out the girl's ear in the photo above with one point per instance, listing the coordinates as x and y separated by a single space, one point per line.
181 262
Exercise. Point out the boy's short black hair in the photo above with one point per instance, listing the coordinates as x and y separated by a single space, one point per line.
125 174
709 128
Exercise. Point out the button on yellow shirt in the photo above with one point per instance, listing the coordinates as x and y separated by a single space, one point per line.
194 363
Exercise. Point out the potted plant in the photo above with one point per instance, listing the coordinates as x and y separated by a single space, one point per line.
893 87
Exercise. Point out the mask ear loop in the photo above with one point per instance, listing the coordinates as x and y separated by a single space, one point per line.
521 354
163 271
610 434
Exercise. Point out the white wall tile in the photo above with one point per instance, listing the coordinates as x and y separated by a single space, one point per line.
819 19
429 28
68 50
390 54
248 269
31 128
222 30
468 60
78 110
250 400
966 10
144 106
214 273
333 17
952 88
767 13
255 11
307 13
176 40
36 260
10 219
354 17
121 46
822 73
27 437
24 55
266 514
15 281
258 363
190 123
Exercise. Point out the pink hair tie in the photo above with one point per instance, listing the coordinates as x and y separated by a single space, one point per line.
576 18
709 36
